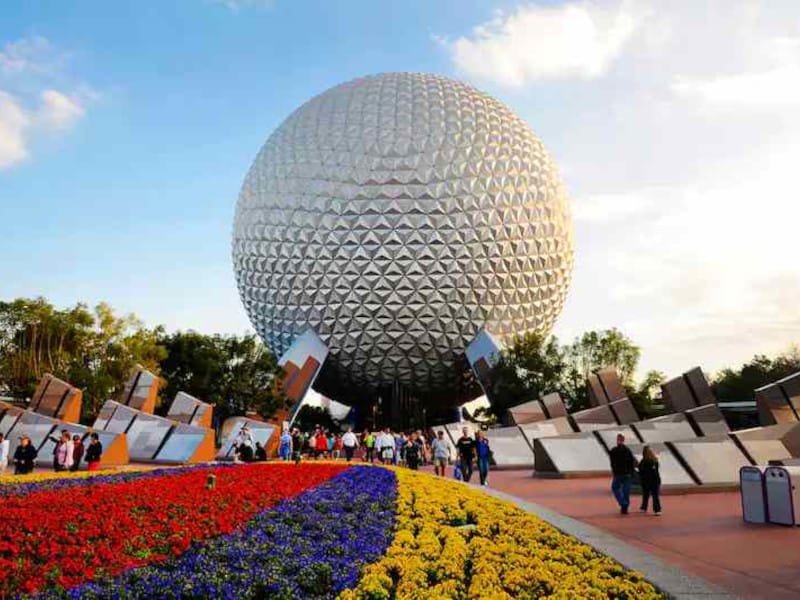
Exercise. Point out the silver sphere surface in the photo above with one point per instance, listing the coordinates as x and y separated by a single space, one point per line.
396 215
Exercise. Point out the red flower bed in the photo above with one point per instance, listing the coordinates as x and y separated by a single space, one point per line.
67 536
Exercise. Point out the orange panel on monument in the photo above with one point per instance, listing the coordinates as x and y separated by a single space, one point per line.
187 444
58 399
297 384
274 442
115 449
42 429
141 391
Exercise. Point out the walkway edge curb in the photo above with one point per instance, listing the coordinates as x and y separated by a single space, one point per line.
669 579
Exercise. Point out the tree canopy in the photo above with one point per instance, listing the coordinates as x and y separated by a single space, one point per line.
236 373
93 349
534 364
738 384
529 366
96 350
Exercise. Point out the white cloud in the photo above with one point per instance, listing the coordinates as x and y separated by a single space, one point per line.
767 89
27 55
602 208
534 43
773 86
60 111
13 122
30 106
698 273
683 173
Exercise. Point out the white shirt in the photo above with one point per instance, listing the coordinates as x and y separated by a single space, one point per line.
5 448
70 448
350 440
441 449
386 440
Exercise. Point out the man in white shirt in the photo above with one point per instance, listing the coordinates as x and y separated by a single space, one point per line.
441 453
385 445
350 443
5 448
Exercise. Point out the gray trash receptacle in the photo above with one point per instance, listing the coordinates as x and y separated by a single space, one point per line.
783 494
754 498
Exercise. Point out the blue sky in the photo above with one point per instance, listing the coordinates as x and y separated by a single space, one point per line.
126 129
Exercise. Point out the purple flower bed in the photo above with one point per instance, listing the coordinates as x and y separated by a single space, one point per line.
312 546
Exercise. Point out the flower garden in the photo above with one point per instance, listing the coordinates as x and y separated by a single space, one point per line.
316 530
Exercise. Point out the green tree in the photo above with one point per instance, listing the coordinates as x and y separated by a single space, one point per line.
236 373
94 350
592 351
531 365
738 384
311 416
644 396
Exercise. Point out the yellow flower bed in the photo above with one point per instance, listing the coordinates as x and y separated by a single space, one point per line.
456 542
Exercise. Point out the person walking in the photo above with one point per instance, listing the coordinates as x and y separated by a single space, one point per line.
337 446
441 453
423 448
349 443
65 450
385 444
57 450
412 452
650 480
285 446
297 444
466 454
622 465
5 450
248 447
77 452
400 440
93 452
369 445
320 444
24 456
331 443
261 453
484 452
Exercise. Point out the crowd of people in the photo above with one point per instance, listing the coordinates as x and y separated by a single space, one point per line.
411 449
68 451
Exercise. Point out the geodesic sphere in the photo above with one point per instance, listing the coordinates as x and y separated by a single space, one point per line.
396 215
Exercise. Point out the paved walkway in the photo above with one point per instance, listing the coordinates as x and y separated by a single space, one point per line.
701 533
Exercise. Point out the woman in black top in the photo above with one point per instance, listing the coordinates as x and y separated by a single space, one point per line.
650 479
24 456
412 452
261 453
93 452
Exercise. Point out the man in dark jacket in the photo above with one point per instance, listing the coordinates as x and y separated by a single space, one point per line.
622 466
24 456
466 453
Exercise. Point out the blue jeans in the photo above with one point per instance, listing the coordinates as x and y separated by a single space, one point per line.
483 468
621 486
466 468
286 453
